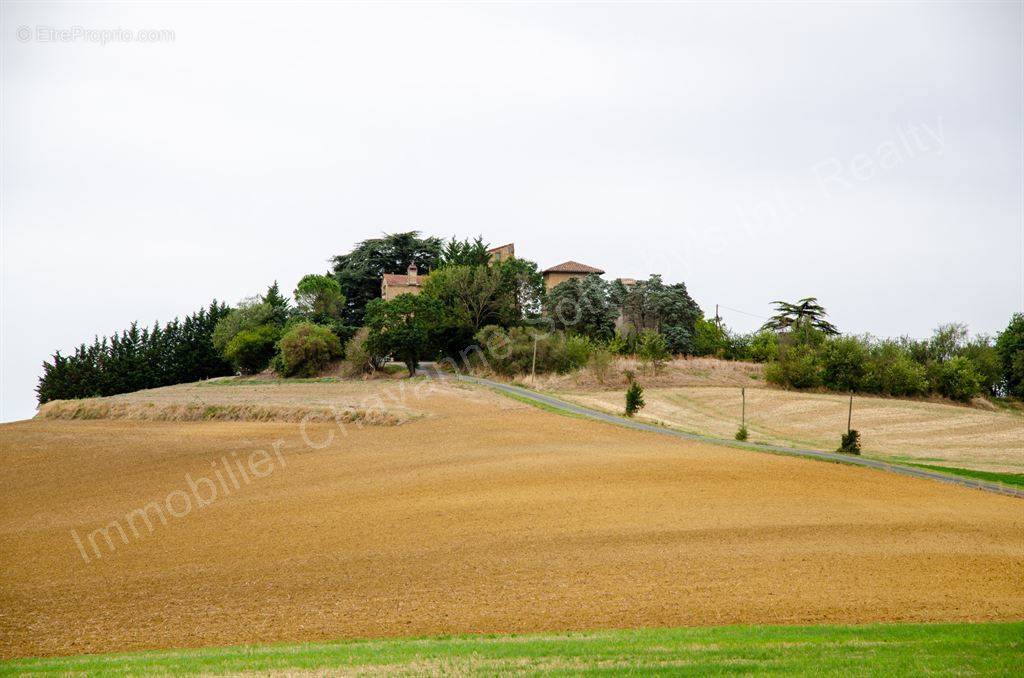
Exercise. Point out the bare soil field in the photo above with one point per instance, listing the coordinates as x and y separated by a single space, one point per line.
481 515
703 396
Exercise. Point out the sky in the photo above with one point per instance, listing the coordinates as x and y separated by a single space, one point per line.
868 154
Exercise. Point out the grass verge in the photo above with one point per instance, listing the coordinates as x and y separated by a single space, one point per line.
887 649
1014 479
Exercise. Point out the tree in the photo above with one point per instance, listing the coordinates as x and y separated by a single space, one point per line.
634 398
177 352
318 298
278 303
947 342
360 271
250 314
404 328
584 306
251 350
1010 346
465 252
653 305
473 296
806 311
524 284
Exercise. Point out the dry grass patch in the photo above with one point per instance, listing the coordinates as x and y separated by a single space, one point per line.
901 430
102 408
676 372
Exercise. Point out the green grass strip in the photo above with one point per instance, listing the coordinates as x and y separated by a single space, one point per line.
1015 479
879 649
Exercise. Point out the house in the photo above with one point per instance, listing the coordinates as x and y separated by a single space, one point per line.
567 271
502 252
393 284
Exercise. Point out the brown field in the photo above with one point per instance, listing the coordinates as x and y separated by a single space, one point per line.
703 396
478 515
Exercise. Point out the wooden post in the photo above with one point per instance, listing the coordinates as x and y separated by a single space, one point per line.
533 368
743 392
849 416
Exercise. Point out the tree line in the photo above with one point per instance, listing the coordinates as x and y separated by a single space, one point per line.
134 359
475 313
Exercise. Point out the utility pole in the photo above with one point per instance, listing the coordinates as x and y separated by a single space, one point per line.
533 368
743 392
849 415
718 318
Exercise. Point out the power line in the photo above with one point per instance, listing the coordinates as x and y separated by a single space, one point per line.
754 315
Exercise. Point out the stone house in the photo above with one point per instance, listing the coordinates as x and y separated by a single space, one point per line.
393 284
567 271
502 252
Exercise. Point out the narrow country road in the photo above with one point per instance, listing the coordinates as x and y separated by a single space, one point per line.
430 369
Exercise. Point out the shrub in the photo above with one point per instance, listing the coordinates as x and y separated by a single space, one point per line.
652 349
709 339
600 363
576 352
891 370
511 352
742 433
621 344
984 358
251 351
250 314
358 359
306 349
764 346
634 398
957 379
679 340
843 363
797 367
849 443
1010 347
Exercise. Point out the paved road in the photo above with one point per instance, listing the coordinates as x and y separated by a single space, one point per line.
573 408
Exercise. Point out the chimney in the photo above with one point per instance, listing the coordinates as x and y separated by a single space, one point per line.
412 272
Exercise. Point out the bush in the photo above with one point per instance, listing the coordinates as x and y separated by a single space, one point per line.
251 351
849 443
652 349
249 315
358 359
957 379
600 364
709 339
1010 348
576 352
634 398
843 362
764 346
891 371
985 359
679 340
742 434
797 367
306 349
511 352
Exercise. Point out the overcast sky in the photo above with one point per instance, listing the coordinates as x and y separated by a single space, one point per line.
869 154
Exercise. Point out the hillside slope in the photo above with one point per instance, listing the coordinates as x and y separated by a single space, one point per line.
480 515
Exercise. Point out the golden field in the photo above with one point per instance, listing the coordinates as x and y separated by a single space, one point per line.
474 513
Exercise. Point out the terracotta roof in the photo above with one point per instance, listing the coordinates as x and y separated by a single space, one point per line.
500 247
573 267
401 279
